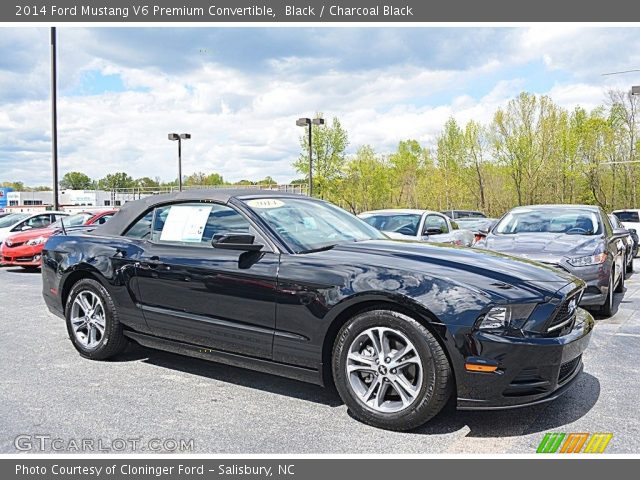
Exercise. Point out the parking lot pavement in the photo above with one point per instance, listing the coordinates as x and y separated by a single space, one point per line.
47 389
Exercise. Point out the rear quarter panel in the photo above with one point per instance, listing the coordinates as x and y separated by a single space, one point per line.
109 260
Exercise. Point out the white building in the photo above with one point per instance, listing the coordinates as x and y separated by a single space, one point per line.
69 199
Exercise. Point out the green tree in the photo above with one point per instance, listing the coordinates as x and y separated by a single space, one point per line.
329 143
76 181
116 180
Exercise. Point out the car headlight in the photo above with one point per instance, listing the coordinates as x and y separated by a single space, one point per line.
588 260
506 316
36 241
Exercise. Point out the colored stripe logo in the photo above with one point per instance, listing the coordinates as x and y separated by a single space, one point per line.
574 442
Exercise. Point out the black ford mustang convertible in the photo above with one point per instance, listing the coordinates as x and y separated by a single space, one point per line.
297 287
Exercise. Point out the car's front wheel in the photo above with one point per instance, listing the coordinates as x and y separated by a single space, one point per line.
390 370
92 321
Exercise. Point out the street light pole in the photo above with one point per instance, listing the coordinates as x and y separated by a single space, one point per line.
54 118
304 122
179 138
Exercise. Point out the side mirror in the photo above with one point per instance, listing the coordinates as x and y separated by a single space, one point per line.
620 232
432 231
483 231
26 227
633 230
236 241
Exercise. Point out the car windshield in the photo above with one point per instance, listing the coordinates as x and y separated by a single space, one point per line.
403 223
308 225
627 216
72 220
550 220
11 219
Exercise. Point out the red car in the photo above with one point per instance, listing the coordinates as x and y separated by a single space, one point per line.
24 249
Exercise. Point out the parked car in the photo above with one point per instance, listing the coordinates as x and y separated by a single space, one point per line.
630 239
576 238
297 287
456 214
478 226
19 222
24 248
630 219
418 225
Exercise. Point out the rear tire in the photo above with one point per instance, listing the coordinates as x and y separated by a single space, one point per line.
629 268
607 307
390 370
620 285
92 321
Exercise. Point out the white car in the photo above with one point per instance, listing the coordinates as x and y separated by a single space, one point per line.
630 218
419 225
18 222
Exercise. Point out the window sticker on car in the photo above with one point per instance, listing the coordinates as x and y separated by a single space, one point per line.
185 223
265 203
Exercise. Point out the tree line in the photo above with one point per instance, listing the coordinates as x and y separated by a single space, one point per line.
532 151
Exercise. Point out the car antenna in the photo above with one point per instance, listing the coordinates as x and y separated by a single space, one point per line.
62 225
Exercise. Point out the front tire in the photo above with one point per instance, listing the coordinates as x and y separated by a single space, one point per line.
390 370
607 307
92 321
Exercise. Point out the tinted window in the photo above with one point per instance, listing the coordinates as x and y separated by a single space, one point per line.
306 225
197 223
39 221
142 228
627 216
435 222
11 219
550 220
405 223
103 219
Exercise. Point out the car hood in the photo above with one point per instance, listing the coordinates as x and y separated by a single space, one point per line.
544 247
29 234
434 259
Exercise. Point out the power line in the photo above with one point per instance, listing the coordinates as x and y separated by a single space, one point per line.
623 71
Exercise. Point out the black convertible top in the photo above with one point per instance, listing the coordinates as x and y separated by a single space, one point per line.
133 210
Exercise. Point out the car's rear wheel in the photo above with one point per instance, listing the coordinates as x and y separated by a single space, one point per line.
630 264
620 285
92 321
607 307
390 370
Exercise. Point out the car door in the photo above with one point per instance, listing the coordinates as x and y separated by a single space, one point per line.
433 223
195 293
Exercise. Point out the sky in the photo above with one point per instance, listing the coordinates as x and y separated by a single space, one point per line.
238 91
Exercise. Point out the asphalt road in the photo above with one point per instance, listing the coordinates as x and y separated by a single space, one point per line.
153 400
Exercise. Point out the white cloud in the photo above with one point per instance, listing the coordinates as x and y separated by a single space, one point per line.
241 114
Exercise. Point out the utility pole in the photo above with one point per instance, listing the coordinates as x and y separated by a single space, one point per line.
54 118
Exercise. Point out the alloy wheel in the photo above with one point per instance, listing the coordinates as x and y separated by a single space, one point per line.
384 369
88 319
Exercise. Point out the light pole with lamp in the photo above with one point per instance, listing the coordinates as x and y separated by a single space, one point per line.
303 122
179 138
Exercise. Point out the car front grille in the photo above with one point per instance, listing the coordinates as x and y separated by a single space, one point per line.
13 244
567 368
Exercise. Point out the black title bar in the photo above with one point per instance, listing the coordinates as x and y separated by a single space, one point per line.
325 11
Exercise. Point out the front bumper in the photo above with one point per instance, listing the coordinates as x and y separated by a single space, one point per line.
530 370
26 256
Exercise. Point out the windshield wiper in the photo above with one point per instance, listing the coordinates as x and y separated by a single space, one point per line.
319 249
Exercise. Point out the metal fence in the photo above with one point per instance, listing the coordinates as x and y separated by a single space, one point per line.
121 195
